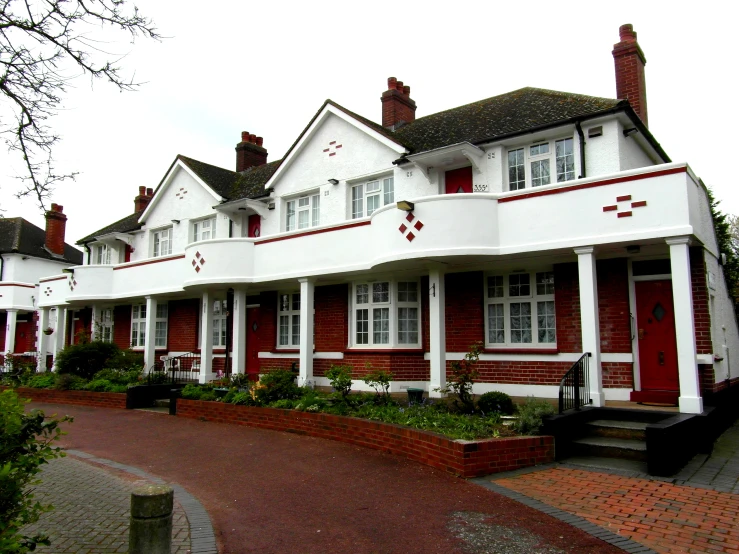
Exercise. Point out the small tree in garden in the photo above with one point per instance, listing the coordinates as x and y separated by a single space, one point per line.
380 381
340 377
462 378
25 444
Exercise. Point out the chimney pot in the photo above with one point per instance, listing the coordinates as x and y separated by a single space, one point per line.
142 190
399 85
56 223
149 192
260 141
406 90
391 83
253 139
250 152
397 105
245 136
629 62
626 32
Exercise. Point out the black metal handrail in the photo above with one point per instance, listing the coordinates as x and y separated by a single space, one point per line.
184 368
574 388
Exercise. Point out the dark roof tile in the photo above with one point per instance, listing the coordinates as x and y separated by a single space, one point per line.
230 184
18 236
125 225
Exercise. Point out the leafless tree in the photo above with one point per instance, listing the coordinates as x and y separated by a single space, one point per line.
44 45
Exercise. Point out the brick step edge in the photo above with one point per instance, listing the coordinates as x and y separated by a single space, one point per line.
463 458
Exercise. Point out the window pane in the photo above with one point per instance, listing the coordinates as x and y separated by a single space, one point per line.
565 160
389 186
407 325
160 333
545 283
495 286
284 330
135 314
296 330
381 325
539 149
316 211
546 321
380 292
496 324
539 173
516 172
408 292
142 333
296 301
373 186
520 322
362 294
357 199
216 332
156 244
290 216
303 202
518 285
142 311
303 219
161 311
363 326
373 203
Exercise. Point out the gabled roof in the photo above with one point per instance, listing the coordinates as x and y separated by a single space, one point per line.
18 236
507 114
232 185
125 225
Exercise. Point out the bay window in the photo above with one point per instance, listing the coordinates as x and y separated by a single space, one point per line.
386 314
138 325
303 213
520 310
288 320
163 242
369 197
106 325
220 315
535 165
204 229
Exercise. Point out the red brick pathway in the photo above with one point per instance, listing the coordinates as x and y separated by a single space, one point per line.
665 517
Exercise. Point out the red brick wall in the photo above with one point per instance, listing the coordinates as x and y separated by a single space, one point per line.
75 397
56 223
629 64
613 305
701 315
618 375
182 328
408 366
464 310
122 326
466 459
519 372
567 307
331 328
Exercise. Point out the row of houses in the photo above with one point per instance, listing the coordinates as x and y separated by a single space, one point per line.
544 225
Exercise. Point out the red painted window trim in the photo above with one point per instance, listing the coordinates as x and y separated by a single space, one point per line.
50 280
315 232
17 285
548 351
639 177
150 262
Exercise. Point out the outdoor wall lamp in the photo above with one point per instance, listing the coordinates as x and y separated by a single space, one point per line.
633 249
176 221
405 205
333 181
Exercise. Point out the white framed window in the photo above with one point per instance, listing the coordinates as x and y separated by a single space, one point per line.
303 212
288 320
369 197
138 326
101 254
220 315
204 229
519 310
162 242
386 314
106 324
541 164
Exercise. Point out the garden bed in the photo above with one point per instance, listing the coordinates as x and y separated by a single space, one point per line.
459 457
74 397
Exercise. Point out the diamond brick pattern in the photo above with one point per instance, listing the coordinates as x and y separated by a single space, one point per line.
418 225
621 200
198 262
181 193
48 291
332 148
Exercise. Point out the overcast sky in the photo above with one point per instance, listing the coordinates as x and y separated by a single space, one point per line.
266 67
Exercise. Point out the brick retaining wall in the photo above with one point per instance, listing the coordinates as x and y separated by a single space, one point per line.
463 458
75 397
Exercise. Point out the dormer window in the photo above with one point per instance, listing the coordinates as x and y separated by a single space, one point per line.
101 254
371 196
303 213
163 242
204 229
540 163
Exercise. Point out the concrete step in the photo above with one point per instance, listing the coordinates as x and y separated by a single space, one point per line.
609 447
595 462
162 403
630 430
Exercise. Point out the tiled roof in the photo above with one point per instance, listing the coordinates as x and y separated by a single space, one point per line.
18 236
507 114
230 184
125 225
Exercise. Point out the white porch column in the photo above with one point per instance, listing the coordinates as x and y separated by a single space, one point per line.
10 324
590 321
238 354
690 400
437 335
307 288
149 337
43 339
95 323
206 339
59 332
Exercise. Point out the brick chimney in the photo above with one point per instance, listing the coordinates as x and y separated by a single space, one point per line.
397 106
250 152
142 200
630 61
56 224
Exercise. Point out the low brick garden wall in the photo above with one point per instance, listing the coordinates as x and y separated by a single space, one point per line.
463 458
75 397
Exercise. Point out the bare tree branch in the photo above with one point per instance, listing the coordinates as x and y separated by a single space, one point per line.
39 41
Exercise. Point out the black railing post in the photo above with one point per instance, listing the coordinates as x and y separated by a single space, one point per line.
578 370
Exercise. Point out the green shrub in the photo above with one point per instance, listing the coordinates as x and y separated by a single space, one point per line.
530 415
192 392
120 376
41 381
462 378
99 385
340 377
495 402
70 382
244 399
25 444
208 395
86 359
240 381
380 381
276 385
283 404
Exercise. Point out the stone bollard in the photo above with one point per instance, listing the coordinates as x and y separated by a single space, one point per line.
151 520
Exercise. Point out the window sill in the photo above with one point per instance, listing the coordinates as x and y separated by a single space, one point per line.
357 350
285 351
550 351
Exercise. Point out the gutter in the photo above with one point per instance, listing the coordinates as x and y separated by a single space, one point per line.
2 266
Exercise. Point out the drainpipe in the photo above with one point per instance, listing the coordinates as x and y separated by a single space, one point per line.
89 254
582 149
2 266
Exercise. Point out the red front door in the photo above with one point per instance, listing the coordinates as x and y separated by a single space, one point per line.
459 180
655 323
252 343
